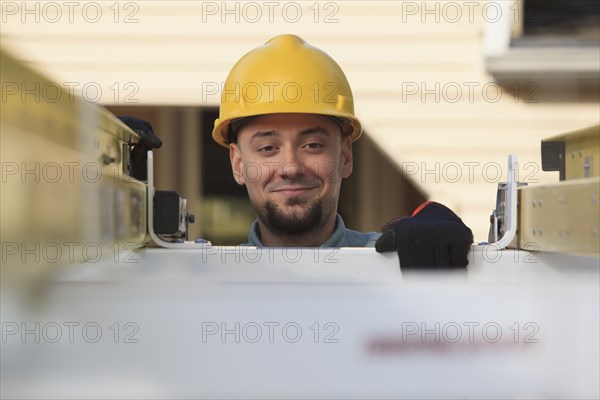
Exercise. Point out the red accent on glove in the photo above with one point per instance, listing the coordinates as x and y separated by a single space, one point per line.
421 207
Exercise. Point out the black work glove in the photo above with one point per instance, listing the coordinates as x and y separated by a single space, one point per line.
433 237
139 153
144 129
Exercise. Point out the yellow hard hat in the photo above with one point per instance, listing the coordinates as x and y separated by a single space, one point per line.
285 75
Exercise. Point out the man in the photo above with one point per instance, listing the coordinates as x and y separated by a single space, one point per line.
287 117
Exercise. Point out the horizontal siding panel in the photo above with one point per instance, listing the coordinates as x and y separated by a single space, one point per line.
513 135
160 55
394 112
468 168
341 35
379 19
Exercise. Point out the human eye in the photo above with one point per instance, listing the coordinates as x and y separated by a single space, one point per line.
267 149
313 146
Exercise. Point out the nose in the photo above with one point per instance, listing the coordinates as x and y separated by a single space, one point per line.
291 168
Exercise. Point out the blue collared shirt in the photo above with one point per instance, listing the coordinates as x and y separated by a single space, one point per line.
341 237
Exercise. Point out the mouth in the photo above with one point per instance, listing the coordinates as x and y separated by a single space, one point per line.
294 190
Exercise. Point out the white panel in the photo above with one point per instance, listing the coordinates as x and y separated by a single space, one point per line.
345 323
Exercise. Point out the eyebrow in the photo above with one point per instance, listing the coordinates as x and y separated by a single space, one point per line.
309 131
261 134
316 129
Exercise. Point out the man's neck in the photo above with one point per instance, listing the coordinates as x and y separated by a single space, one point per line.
311 239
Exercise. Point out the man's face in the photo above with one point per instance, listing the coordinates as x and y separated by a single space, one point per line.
293 166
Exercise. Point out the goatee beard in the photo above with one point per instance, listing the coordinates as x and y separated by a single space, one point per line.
291 224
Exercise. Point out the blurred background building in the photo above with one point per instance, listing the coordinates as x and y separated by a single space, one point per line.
445 89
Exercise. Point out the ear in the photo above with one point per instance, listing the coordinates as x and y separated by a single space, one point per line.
346 157
237 165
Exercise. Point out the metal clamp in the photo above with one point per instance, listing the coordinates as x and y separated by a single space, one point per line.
506 209
177 244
